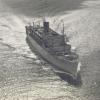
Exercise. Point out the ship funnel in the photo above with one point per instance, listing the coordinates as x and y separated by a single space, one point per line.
46 26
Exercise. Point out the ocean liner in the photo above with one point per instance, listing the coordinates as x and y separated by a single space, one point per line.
53 48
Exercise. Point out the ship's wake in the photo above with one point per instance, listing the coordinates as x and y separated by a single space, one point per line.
82 28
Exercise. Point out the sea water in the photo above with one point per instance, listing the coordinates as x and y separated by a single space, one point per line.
23 76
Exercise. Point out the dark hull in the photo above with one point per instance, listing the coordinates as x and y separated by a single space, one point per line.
68 67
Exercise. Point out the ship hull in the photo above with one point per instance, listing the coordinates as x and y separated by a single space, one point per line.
68 67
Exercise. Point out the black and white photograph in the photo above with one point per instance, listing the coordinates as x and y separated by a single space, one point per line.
49 49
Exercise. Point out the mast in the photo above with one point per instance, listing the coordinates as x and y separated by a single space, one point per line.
63 32
63 28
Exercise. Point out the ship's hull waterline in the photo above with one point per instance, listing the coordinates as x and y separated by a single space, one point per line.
68 67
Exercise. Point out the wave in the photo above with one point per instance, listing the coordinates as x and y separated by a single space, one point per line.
81 26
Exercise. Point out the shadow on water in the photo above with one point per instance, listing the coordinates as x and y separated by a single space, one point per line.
76 82
40 7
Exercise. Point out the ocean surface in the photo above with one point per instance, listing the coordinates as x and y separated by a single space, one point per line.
22 75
